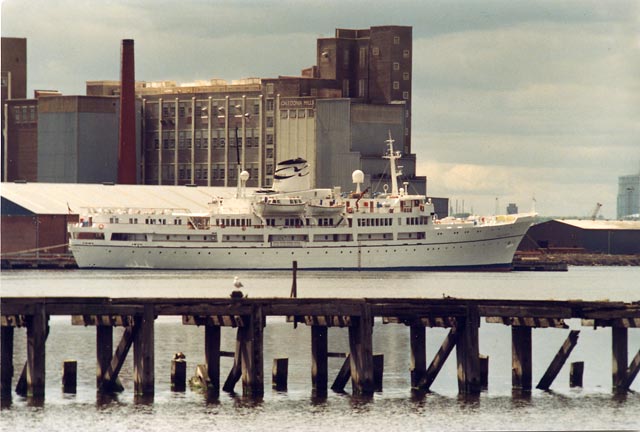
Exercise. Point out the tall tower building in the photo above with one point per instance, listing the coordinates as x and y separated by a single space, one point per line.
629 196
371 64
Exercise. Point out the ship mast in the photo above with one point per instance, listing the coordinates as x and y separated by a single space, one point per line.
395 172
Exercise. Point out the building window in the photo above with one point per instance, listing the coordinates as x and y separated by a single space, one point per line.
363 57
270 88
310 113
396 66
269 153
269 139
375 51
396 85
301 113
345 88
361 88
345 58
405 76
396 40
406 53
269 121
292 114
269 105
284 114
405 95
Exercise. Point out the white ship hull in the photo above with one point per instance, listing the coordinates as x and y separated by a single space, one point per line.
446 247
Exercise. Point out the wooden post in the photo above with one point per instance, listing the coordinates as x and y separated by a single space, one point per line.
361 348
252 355
36 337
6 360
279 374
575 375
212 358
521 363
378 371
143 350
417 339
319 359
69 376
559 360
467 353
484 372
178 374
619 342
104 351
294 283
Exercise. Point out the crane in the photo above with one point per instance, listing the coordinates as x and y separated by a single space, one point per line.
594 214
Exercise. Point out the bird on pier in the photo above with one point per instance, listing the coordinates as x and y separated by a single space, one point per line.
237 283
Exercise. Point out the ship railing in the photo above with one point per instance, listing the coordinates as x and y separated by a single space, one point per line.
134 210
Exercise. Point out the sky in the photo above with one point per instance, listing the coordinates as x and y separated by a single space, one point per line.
530 102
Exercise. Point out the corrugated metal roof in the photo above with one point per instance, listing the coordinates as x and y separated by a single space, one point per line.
601 224
57 198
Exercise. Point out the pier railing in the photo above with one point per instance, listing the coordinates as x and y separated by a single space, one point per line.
248 315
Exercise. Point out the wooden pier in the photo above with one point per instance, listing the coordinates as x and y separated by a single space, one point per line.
248 315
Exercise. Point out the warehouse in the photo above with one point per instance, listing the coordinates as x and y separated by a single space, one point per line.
35 215
599 236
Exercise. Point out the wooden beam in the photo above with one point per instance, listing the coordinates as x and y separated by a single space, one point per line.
619 346
521 361
319 360
212 359
109 380
418 367
6 360
143 353
37 329
439 360
343 376
633 369
559 360
468 354
361 350
528 322
236 370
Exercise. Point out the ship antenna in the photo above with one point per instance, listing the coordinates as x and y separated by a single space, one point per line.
394 171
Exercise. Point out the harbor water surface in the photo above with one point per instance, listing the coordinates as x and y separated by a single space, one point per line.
593 406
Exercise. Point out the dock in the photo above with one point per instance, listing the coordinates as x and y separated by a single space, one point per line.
248 315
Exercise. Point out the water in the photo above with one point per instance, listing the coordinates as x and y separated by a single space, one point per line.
395 408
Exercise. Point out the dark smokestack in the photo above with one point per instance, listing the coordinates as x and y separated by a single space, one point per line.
127 142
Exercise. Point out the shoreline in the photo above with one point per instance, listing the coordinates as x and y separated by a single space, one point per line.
579 259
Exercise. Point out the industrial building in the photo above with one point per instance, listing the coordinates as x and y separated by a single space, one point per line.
592 236
202 133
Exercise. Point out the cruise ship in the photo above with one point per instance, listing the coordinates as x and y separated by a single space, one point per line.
318 228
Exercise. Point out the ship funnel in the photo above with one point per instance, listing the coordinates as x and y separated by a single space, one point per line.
292 175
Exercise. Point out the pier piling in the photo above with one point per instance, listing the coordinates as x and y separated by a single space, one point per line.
280 373
575 374
319 359
69 376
